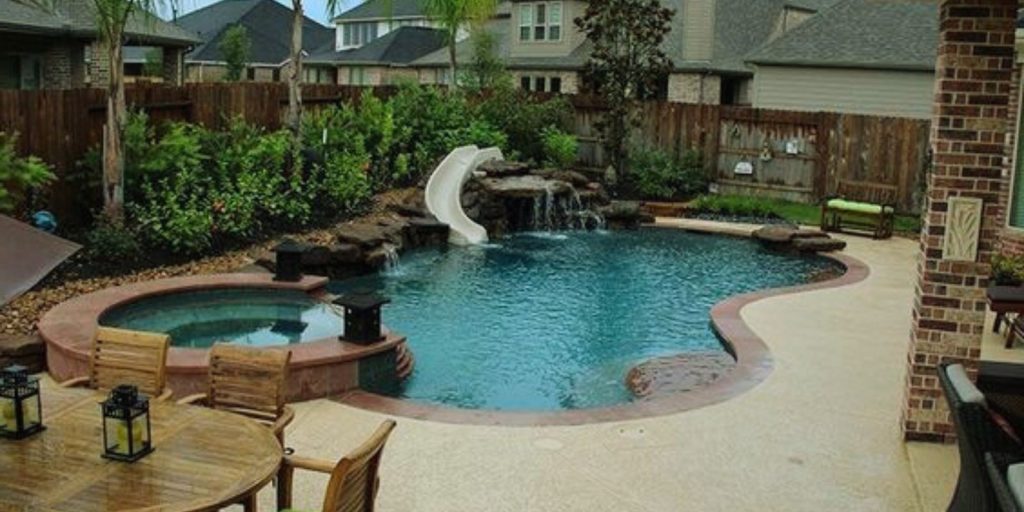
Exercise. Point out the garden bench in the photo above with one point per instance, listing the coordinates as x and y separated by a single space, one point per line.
862 206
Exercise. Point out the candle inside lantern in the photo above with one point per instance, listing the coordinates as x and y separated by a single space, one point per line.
7 410
122 435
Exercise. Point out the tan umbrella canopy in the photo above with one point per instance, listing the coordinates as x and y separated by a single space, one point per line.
26 256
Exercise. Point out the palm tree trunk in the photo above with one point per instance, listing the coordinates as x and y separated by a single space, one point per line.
451 62
113 157
294 118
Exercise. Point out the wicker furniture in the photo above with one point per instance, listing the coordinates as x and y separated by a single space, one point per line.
862 206
354 483
204 460
121 356
977 433
998 466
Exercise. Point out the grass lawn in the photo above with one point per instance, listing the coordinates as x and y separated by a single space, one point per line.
797 213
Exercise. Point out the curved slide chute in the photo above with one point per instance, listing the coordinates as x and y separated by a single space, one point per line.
444 192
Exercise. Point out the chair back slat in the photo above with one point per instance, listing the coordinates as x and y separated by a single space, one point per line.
353 484
121 356
248 381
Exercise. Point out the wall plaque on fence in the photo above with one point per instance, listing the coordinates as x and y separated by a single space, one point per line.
963 226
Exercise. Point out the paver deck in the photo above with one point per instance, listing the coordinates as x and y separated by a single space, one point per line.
820 433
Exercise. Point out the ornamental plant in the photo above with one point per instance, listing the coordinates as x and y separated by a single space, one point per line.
19 175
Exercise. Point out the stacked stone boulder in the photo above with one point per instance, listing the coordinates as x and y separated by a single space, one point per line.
791 238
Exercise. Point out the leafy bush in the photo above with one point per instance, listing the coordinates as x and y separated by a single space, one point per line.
522 118
738 206
655 174
560 148
424 119
112 243
1008 270
18 175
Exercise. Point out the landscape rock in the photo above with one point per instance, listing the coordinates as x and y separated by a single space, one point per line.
677 374
27 350
818 244
316 256
503 168
345 253
253 268
366 236
774 234
524 187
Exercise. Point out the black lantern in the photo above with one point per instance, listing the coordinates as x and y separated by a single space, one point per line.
126 431
362 316
21 412
288 261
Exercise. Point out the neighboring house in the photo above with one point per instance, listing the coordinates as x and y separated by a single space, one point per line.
542 47
59 47
383 60
859 56
376 18
269 27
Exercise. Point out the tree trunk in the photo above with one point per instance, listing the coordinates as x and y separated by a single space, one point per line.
294 118
451 63
113 157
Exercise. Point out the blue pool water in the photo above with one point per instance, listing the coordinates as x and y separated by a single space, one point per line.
554 321
250 316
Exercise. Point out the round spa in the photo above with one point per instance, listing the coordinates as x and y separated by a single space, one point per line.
198 311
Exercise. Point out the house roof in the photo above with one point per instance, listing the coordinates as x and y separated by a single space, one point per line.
267 23
741 27
400 46
891 34
77 18
380 9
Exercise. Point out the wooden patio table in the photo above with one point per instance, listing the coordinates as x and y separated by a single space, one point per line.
203 460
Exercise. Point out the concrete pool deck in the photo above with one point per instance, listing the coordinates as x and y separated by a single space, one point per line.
820 433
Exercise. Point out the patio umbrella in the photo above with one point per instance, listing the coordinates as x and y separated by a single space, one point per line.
26 256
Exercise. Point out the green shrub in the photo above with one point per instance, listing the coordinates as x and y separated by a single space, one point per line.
476 131
738 206
522 117
112 243
424 119
560 148
1008 270
655 174
17 174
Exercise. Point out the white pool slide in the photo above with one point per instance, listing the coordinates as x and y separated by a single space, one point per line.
444 192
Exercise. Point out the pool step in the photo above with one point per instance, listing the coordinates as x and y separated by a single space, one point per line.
405 361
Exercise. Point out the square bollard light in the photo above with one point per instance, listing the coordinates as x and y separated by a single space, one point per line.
288 261
362 316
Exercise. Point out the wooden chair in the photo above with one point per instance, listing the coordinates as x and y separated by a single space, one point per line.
121 356
251 382
354 483
837 211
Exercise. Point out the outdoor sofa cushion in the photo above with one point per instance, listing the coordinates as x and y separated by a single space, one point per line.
1015 481
857 207
968 392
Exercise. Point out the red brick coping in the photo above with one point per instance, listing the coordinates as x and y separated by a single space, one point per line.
318 368
753 365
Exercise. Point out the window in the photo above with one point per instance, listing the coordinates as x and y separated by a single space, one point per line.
525 21
250 74
539 84
540 21
20 72
357 76
524 83
1016 217
556 84
276 75
358 34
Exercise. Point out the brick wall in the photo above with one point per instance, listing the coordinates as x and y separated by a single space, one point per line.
972 96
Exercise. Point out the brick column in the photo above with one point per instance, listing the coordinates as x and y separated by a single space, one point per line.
965 204
98 67
174 65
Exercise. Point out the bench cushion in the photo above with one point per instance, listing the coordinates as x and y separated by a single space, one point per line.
1015 481
857 207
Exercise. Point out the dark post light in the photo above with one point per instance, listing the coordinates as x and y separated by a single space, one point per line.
126 430
362 316
21 412
288 261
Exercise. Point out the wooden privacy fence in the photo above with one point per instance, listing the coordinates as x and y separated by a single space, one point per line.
795 155
60 126
800 156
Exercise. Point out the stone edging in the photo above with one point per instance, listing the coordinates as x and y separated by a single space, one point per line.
753 365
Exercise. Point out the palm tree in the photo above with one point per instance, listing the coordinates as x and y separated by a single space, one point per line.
294 117
111 18
455 15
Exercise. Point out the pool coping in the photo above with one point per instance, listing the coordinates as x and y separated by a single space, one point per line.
754 363
68 328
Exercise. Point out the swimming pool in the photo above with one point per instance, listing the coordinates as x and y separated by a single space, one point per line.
546 322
